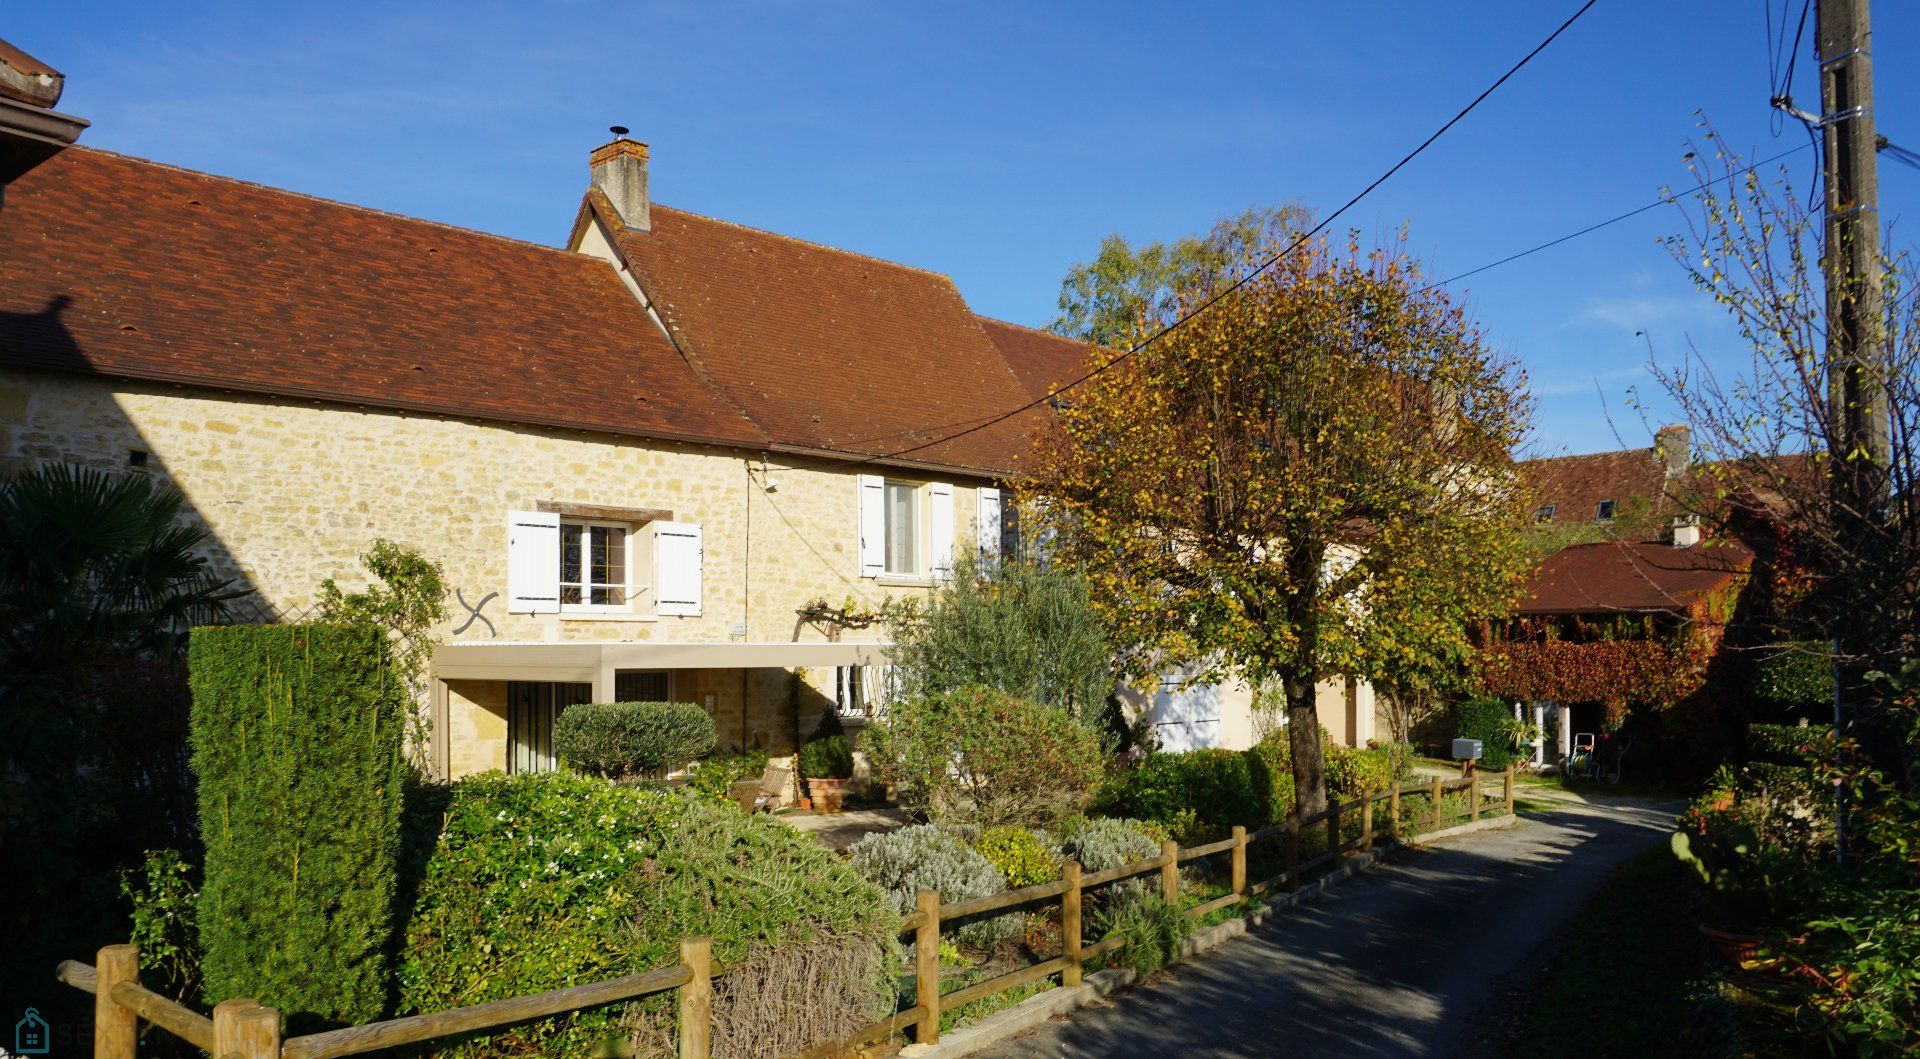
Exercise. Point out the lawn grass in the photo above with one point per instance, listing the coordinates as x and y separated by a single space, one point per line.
1624 981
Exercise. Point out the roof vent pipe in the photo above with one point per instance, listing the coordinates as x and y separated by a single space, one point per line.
620 172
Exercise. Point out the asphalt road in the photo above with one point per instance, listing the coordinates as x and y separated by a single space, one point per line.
1394 962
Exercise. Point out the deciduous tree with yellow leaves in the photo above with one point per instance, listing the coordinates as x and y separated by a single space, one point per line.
1311 477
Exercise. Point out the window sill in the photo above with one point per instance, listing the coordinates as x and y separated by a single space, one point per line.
606 615
905 580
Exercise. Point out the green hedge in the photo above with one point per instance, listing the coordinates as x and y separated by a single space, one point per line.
628 740
827 758
541 881
297 743
1491 722
1197 795
1796 674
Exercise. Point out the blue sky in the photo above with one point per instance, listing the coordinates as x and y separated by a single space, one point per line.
999 142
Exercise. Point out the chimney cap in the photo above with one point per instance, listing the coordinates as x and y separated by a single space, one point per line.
618 130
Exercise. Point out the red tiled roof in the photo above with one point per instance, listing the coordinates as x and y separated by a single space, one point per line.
1634 479
1631 576
1042 359
118 266
826 349
27 79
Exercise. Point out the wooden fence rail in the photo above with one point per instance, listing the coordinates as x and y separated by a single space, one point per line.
243 1029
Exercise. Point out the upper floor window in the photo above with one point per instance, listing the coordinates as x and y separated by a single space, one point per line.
1546 512
595 565
903 528
906 528
1605 511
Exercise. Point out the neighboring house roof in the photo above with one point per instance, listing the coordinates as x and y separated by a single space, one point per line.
1633 479
828 350
122 267
30 130
1612 577
1043 360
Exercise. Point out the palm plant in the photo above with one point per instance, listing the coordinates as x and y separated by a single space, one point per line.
91 561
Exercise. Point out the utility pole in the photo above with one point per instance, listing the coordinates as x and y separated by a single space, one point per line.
1856 335
1856 338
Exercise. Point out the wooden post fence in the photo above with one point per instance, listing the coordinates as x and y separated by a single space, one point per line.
1293 843
696 999
926 967
1393 813
1238 873
1333 828
1506 783
1473 796
116 1029
242 1029
1366 820
1170 871
1070 924
1437 792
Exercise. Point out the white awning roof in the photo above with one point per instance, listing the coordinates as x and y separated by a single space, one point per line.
589 662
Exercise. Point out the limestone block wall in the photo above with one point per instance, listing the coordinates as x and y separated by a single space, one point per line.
294 491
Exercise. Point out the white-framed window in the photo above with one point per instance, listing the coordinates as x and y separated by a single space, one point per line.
906 528
903 528
588 567
864 691
597 566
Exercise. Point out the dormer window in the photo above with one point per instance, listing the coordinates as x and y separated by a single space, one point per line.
1546 512
1605 511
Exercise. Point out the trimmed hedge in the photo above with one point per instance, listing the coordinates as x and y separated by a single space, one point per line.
546 880
1796 674
297 742
1197 795
1491 722
629 740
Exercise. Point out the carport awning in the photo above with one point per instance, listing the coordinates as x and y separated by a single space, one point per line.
597 662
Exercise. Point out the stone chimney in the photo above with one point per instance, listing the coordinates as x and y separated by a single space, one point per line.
620 171
1686 531
1670 446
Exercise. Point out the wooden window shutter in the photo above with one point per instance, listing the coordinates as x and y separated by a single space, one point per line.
986 524
533 562
677 557
940 530
872 491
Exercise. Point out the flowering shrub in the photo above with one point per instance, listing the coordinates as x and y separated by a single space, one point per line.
541 881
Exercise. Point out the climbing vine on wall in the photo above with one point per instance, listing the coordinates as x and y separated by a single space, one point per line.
1658 672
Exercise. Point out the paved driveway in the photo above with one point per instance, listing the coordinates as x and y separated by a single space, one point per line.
1394 962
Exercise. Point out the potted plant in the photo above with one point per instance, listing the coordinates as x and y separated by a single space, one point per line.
827 763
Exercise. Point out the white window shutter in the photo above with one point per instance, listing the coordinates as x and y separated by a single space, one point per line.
533 562
987 524
677 557
872 490
940 530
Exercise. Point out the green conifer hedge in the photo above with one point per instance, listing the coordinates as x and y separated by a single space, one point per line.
297 743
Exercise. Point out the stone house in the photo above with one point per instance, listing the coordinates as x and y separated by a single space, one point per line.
638 456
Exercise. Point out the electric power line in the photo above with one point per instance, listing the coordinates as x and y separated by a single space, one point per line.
1264 265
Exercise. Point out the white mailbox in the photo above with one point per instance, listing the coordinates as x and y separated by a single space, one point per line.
1467 749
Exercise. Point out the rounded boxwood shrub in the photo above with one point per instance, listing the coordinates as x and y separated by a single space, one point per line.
626 740
536 882
827 758
930 857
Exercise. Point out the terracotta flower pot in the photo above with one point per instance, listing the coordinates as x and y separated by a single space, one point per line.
826 794
1739 950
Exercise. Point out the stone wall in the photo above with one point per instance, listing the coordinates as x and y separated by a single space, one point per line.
294 491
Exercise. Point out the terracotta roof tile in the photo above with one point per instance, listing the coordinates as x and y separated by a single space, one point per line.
1576 486
1632 577
118 266
1042 359
828 349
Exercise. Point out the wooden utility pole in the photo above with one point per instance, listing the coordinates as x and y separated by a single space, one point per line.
1856 335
